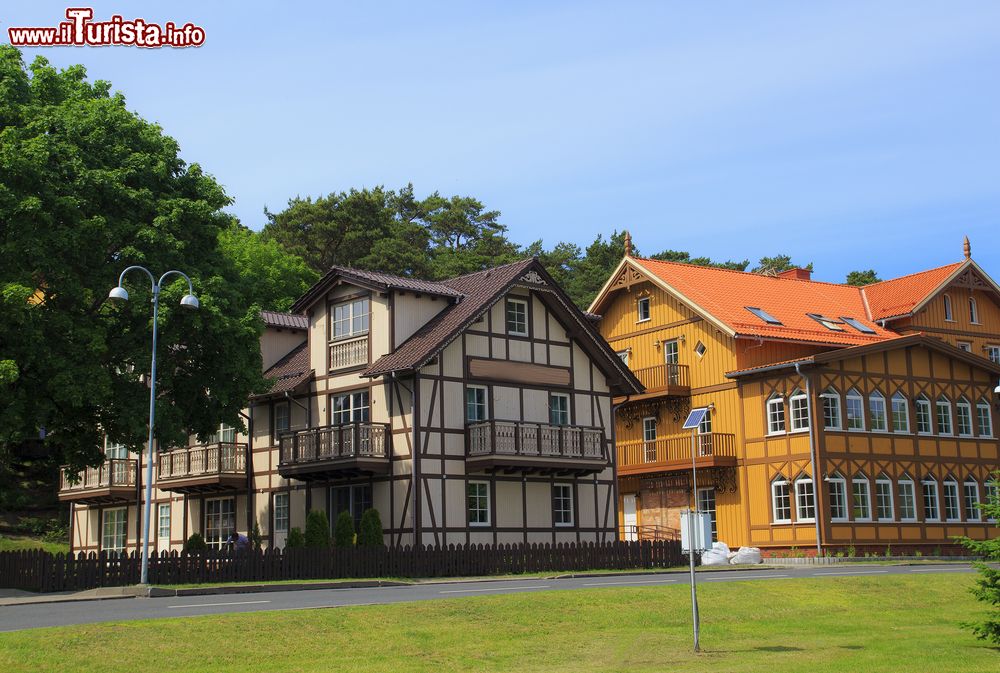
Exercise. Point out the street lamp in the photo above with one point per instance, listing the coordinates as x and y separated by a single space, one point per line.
189 301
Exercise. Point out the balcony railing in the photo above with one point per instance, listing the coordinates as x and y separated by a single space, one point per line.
351 352
115 478
517 443
335 449
664 377
203 463
675 452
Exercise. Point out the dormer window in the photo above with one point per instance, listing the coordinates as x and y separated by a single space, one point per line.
642 309
517 317
831 324
350 319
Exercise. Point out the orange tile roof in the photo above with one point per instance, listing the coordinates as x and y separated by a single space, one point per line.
724 294
899 296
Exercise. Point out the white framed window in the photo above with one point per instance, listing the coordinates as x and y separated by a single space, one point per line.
900 413
642 309
876 412
163 522
952 503
478 501
649 439
705 427
280 513
559 409
113 530
964 417
113 450
984 418
282 419
671 352
562 504
855 410
923 406
706 503
805 500
965 346
350 319
929 488
781 502
798 409
883 498
973 311
970 493
226 434
623 356
517 317
831 409
220 521
990 487
838 497
948 313
993 352
700 349
349 408
475 404
944 416
776 415
907 499
861 498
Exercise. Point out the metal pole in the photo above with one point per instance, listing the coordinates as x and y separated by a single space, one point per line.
148 505
693 522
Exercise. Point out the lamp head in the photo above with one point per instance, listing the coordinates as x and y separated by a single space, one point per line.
190 301
118 294
996 390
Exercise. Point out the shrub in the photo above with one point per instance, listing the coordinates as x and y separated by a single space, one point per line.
370 531
255 537
888 550
195 543
295 539
987 587
851 551
343 532
317 529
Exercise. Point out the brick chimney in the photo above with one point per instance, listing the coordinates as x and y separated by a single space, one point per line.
797 274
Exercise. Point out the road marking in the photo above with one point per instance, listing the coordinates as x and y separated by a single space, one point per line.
853 572
940 570
604 584
740 576
469 591
212 605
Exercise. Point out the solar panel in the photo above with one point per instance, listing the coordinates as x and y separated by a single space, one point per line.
763 315
695 418
858 325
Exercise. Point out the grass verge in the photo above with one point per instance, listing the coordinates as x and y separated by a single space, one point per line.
20 542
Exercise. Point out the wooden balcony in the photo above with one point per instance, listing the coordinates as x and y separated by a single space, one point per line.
671 454
207 468
535 447
112 482
349 353
335 451
665 379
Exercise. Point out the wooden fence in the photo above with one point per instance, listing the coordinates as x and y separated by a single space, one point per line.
41 571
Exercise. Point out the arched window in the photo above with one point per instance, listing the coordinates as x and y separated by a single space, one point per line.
805 499
970 494
948 314
798 408
952 508
907 498
861 497
876 412
973 311
831 409
776 414
883 498
929 488
900 413
838 497
984 419
781 501
923 406
964 408
944 416
855 410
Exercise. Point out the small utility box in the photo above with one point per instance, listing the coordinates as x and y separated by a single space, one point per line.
696 529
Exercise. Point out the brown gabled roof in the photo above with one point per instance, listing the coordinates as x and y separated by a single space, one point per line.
289 372
285 320
372 280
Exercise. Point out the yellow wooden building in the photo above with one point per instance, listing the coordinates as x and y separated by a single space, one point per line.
872 407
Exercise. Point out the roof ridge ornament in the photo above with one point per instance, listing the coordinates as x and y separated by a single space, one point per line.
967 248
628 244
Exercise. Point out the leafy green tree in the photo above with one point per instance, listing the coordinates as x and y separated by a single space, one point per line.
274 277
343 531
686 258
256 539
370 530
295 539
861 278
777 264
195 543
987 588
317 529
87 188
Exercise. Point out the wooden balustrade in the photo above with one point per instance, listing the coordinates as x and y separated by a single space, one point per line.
514 438
352 352
675 452
112 481
203 460
335 450
664 377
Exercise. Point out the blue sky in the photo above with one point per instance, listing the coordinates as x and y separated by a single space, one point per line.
850 135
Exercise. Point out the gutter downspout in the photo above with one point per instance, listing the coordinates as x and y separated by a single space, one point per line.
812 460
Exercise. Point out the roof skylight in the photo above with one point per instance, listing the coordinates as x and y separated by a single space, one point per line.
763 315
858 325
831 324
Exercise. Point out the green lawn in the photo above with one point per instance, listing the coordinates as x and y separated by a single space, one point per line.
18 542
856 624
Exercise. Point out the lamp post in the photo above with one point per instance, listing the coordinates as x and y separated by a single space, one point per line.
189 301
692 423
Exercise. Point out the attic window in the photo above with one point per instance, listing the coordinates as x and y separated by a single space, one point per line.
829 323
700 349
763 315
858 325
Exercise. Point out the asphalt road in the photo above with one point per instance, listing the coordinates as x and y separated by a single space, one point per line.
17 617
